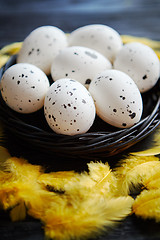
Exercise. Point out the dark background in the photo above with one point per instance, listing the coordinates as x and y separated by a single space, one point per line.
134 17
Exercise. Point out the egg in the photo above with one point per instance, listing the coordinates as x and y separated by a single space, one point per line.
23 87
117 98
69 108
41 46
141 63
101 38
79 63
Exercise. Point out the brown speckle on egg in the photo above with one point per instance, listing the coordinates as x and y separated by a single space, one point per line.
122 97
88 81
144 77
54 118
133 115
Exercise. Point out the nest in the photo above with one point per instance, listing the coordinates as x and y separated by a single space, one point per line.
101 141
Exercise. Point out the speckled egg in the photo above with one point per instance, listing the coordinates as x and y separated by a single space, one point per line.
23 87
79 63
69 108
117 98
101 38
141 63
41 46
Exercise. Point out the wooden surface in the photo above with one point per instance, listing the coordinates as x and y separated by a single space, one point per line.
135 17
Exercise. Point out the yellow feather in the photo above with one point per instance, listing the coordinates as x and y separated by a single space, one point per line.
21 169
149 42
158 53
5 177
147 204
80 186
153 184
99 180
11 49
153 181
99 176
132 170
18 213
8 196
3 59
85 208
88 218
97 170
19 183
56 180
104 177
149 152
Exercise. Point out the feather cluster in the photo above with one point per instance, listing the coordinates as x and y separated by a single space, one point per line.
69 204
8 51
141 171
80 205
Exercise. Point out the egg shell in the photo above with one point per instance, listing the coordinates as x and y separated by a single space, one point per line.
41 46
69 108
141 63
118 100
79 63
99 37
23 87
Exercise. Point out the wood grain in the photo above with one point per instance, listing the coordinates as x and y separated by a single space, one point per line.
136 17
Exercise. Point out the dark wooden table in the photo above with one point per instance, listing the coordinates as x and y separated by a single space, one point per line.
134 17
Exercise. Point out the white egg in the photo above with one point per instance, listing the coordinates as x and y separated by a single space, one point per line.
99 37
41 46
69 108
141 63
118 100
23 87
79 63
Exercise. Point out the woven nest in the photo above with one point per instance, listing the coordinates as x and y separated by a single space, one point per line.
101 141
